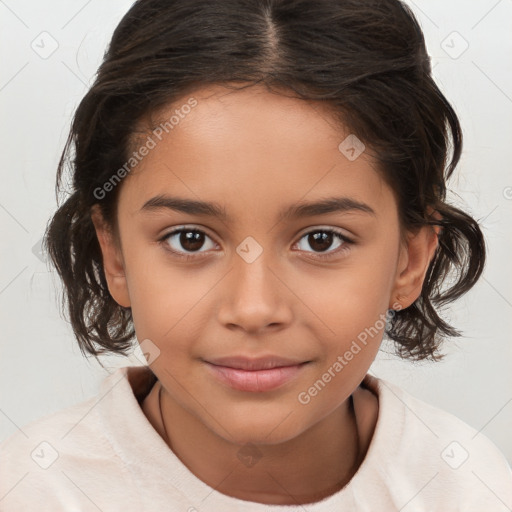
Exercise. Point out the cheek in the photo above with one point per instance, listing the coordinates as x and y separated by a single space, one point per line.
352 296
372 276
167 298
351 303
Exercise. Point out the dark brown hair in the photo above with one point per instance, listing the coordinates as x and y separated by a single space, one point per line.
365 59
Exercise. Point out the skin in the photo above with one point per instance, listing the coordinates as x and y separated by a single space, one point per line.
254 152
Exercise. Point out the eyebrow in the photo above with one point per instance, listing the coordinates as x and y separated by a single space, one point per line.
298 210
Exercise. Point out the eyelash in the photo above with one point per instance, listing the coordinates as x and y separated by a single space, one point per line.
347 242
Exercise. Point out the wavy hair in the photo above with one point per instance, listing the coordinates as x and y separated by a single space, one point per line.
365 59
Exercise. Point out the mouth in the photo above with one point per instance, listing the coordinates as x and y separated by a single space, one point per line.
255 375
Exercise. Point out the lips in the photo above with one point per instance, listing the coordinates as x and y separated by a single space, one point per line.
260 363
255 375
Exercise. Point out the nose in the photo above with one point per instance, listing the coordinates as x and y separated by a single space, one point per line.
255 298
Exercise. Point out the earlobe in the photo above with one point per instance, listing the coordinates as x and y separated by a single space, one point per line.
113 264
417 255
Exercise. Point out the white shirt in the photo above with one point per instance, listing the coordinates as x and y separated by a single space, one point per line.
103 454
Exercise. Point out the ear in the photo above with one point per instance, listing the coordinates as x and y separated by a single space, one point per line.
113 264
415 257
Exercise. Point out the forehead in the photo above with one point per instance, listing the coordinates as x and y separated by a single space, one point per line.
243 147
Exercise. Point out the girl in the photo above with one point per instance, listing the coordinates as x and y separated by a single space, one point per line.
258 196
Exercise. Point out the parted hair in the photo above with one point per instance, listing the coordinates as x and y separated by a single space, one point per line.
366 60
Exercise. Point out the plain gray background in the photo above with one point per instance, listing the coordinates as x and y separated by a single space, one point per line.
50 51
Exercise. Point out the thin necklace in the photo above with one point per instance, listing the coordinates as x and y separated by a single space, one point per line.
355 465
354 468
167 439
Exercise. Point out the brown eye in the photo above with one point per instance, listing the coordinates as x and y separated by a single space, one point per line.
186 240
321 240
191 240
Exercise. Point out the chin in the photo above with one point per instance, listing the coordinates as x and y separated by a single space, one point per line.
257 429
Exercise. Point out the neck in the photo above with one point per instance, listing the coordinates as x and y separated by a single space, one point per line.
304 469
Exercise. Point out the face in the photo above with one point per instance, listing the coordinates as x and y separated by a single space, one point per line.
311 287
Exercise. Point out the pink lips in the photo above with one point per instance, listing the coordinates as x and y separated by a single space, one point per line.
255 375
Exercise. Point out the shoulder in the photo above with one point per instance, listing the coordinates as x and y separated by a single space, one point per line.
61 428
58 458
437 452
